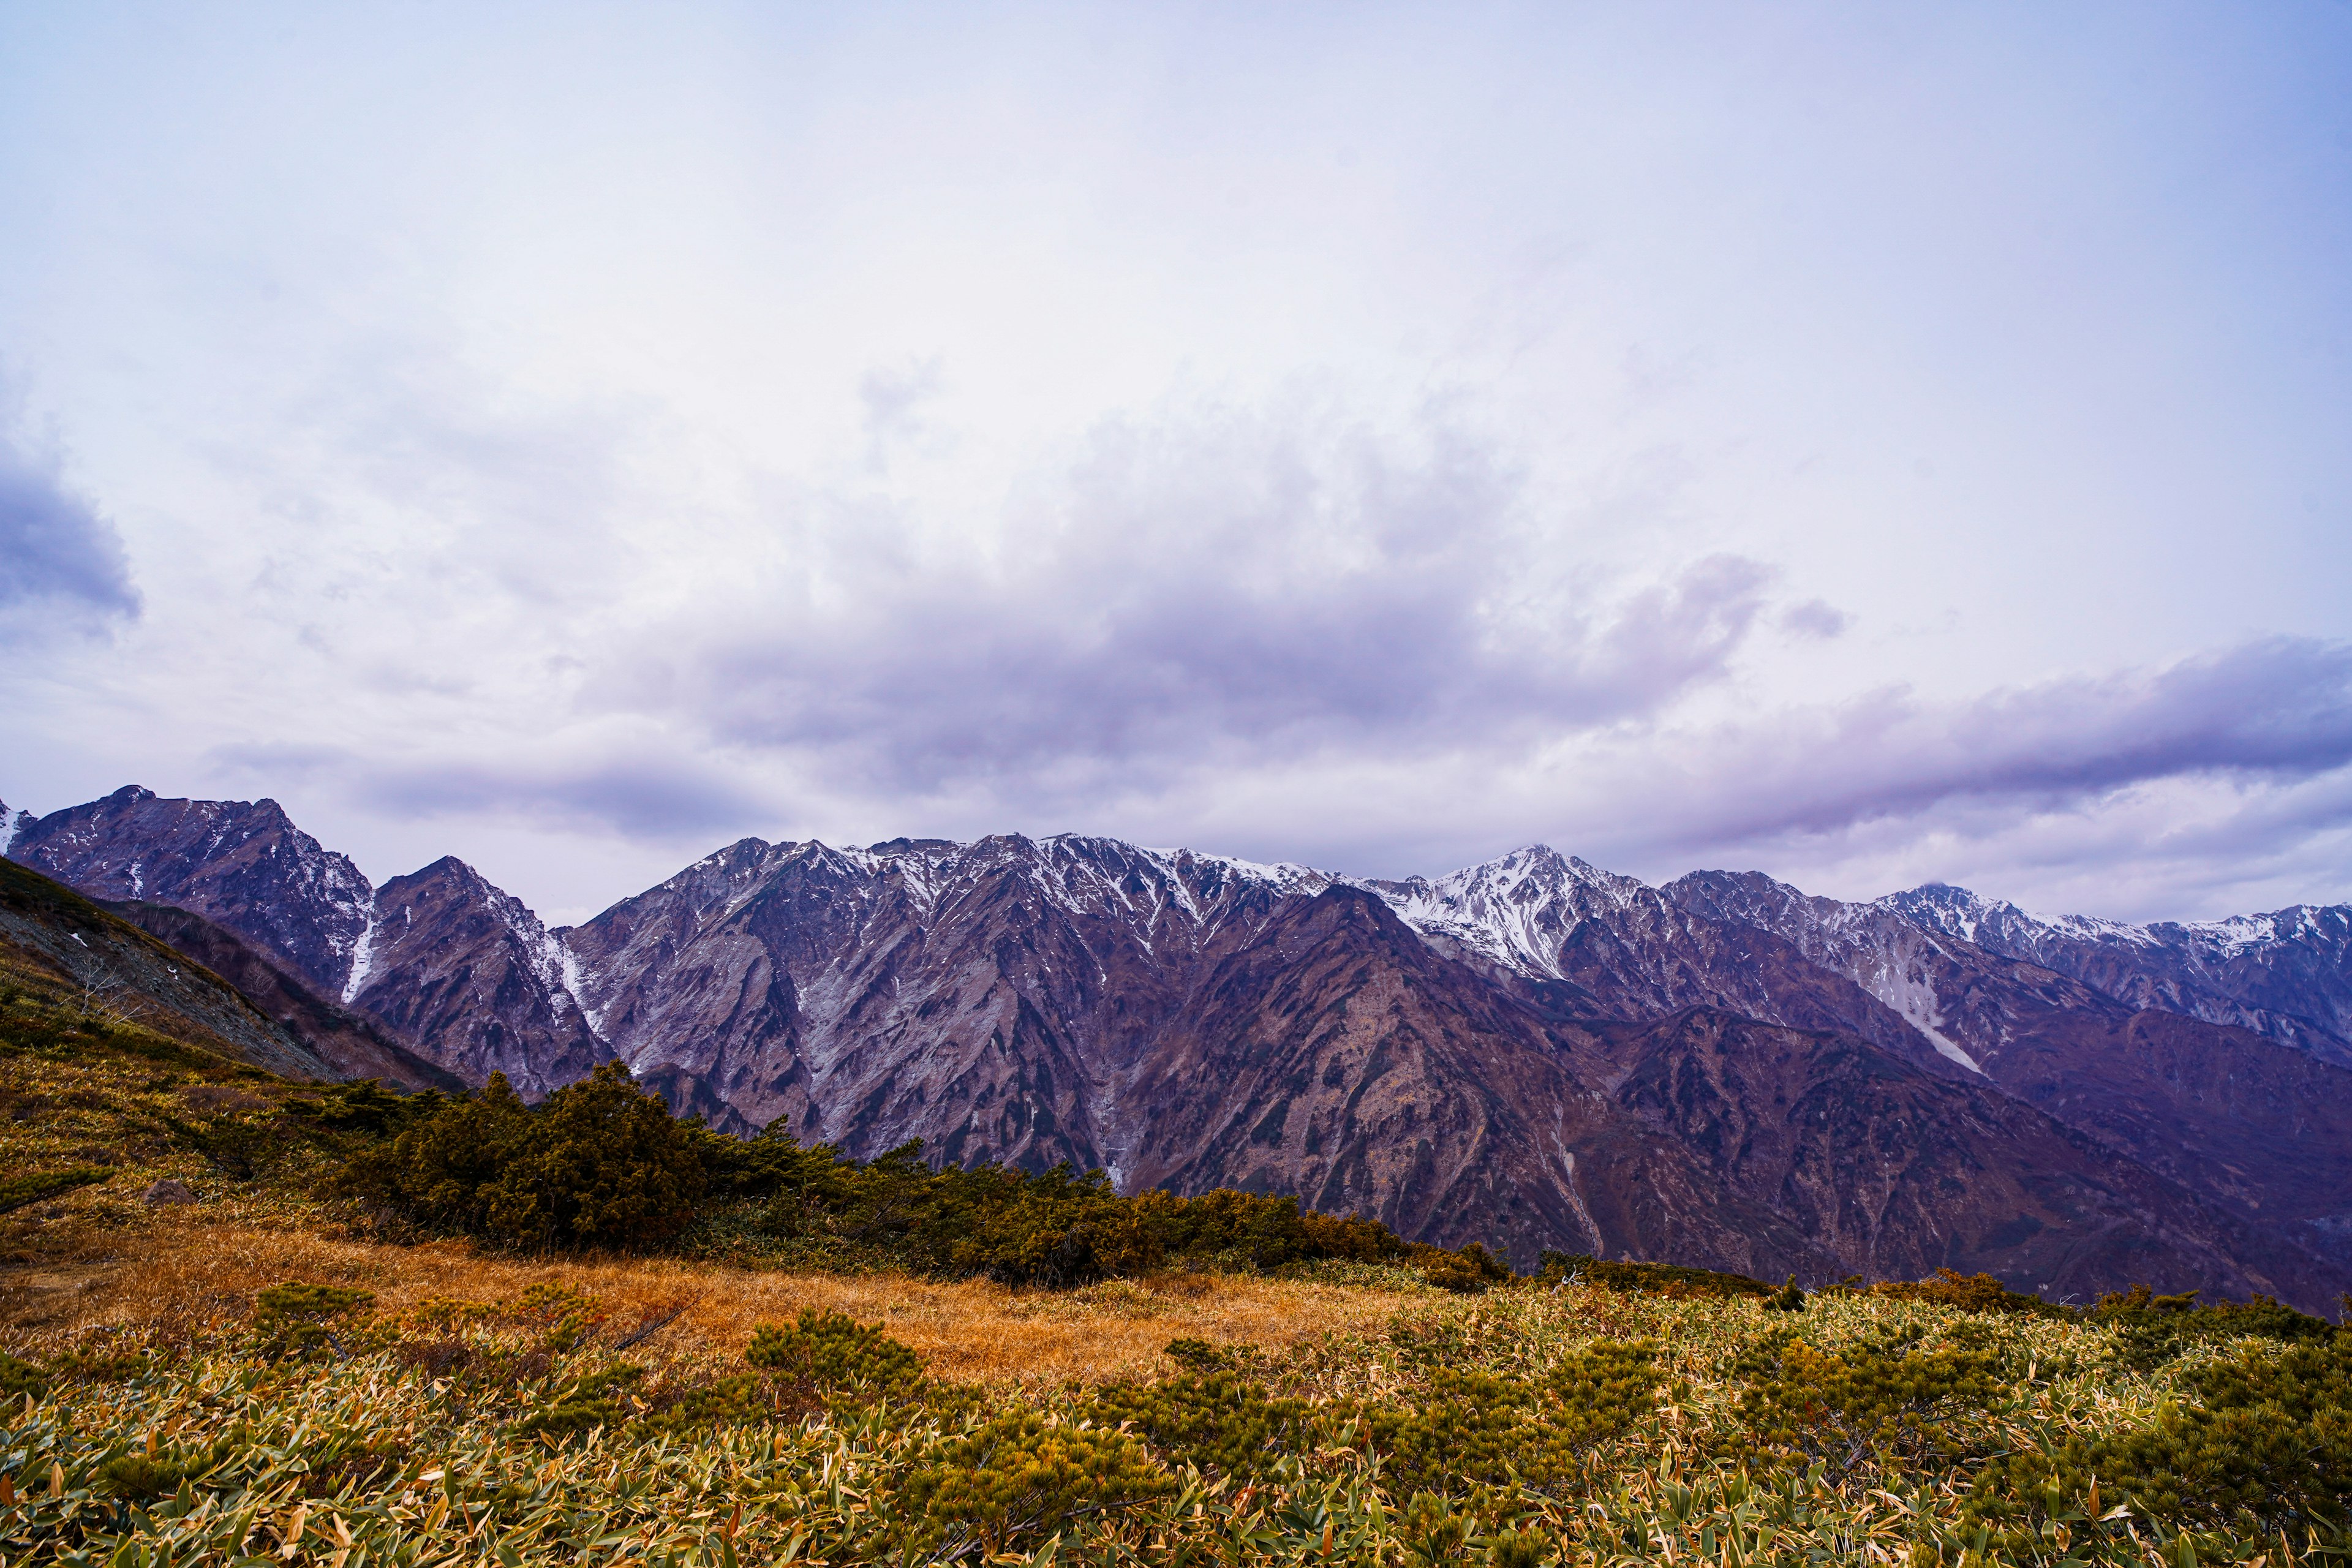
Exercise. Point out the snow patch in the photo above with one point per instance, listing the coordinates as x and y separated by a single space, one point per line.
362 956
574 977
1913 997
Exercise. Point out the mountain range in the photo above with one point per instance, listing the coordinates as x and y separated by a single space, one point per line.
1720 1070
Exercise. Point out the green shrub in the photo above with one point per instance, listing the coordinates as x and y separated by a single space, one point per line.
583 1403
1787 1299
834 1350
600 1162
1472 1428
1867 1402
1468 1271
20 1378
2151 1330
1519 1549
18 1191
725 1402
140 1476
1969 1292
1432 1531
1013 1479
1669 1279
2268 1446
1211 1419
295 1318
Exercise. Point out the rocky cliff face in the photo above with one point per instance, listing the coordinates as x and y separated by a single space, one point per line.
1534 1052
469 976
239 863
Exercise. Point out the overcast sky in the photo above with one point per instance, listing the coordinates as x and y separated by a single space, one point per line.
1868 444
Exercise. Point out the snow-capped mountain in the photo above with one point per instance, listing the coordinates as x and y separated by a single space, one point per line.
2286 975
1722 1069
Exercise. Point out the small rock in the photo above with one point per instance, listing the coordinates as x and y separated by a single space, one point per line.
169 1190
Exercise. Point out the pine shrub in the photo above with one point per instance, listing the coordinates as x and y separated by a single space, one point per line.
2267 1446
1868 1403
831 1350
17 1192
19 1379
1016 1478
599 1163
1472 1428
1214 1420
1669 1279
294 1320
1468 1271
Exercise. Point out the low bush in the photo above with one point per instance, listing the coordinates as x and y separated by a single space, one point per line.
17 1192
1869 1403
296 1318
1013 1479
2151 1330
599 1163
1472 1428
829 1350
602 1164
2266 1445
1209 1417
1969 1292
1669 1279
22 1379
1466 1272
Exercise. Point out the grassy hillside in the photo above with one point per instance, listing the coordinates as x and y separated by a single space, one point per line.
262 1377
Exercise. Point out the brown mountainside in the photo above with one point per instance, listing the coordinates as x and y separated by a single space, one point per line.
1533 1052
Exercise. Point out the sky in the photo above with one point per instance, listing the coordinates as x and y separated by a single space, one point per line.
1871 445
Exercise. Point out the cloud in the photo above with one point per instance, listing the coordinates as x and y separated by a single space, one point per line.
1211 590
2278 708
2199 787
57 553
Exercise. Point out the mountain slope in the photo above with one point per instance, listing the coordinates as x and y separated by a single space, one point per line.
456 972
1532 1052
117 972
241 864
351 1045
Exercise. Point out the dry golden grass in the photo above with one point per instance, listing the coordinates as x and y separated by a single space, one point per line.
970 1330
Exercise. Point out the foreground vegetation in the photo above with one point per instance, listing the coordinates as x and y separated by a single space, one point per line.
333 1359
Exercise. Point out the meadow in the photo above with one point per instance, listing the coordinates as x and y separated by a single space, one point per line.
292 1370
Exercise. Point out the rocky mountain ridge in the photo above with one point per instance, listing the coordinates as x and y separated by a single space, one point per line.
1721 1069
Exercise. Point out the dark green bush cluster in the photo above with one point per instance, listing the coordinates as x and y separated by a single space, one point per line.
1208 1415
1016 1477
600 1162
1054 1228
2152 1329
2268 1445
583 1402
17 1192
296 1319
19 1379
1465 1273
1969 1292
1472 1428
604 1163
1867 1402
831 1350
1669 1279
